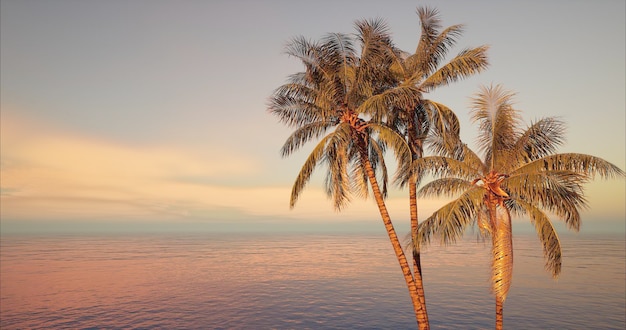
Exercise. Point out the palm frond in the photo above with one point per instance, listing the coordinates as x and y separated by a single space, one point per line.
423 120
430 24
444 119
303 49
360 179
449 222
336 156
398 67
309 53
341 57
377 161
396 142
547 236
444 187
377 55
467 63
574 162
315 157
444 127
498 122
431 52
375 41
294 105
304 134
377 106
469 157
541 138
558 191
440 166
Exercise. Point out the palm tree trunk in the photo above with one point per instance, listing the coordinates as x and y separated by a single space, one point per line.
416 148
499 313
417 265
493 225
502 256
397 248
503 263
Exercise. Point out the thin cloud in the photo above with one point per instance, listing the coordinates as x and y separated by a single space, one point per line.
48 171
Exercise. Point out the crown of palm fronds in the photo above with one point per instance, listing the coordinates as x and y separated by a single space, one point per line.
537 180
423 122
345 82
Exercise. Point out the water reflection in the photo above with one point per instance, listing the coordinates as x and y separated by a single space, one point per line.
295 282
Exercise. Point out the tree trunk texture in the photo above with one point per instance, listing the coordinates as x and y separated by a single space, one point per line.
416 147
417 265
397 248
502 255
499 313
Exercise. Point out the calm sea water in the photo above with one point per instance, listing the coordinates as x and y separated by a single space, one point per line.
296 281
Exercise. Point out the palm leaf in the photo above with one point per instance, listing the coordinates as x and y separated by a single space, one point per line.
360 179
375 43
541 138
467 63
558 191
304 134
440 166
443 118
309 53
377 106
444 125
451 220
498 122
444 187
377 52
433 45
377 161
547 236
432 51
395 141
307 169
578 163
398 66
336 156
297 110
472 160
340 56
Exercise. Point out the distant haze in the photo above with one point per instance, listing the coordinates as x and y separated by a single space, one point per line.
128 115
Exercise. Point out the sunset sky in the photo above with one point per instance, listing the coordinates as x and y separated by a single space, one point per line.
127 115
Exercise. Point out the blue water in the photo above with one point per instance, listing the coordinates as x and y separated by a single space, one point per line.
296 281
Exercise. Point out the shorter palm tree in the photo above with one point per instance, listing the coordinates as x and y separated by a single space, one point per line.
521 174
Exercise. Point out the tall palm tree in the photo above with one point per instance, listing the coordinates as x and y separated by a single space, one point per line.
417 119
336 99
520 174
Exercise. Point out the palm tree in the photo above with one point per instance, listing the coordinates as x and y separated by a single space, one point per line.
336 99
520 174
416 119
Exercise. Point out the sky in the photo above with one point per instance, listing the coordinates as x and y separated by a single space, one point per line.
136 115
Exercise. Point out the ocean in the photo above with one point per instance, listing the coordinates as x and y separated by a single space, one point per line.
297 281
